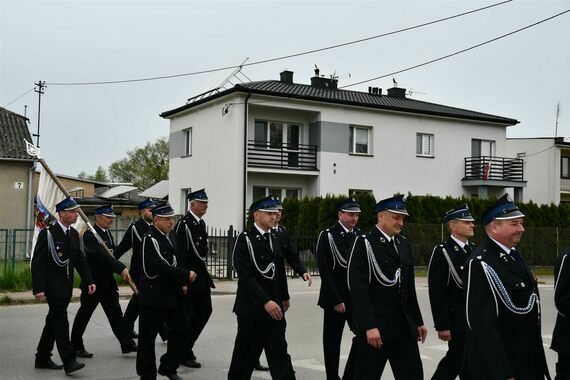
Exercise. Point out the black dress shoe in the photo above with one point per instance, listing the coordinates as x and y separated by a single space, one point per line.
259 367
48 364
72 367
170 376
192 363
130 348
83 354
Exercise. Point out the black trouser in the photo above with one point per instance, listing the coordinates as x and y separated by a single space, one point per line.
253 336
199 309
562 367
56 329
403 354
448 368
151 319
110 303
333 326
131 313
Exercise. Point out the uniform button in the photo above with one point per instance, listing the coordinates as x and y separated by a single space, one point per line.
523 284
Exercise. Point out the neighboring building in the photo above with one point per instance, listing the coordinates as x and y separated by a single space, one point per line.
16 171
296 140
547 168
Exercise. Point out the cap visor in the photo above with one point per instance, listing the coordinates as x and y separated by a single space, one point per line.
511 215
401 212
355 209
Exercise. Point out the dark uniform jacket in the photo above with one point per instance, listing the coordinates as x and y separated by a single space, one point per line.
394 310
254 290
101 264
192 240
334 286
162 277
446 294
288 250
132 239
56 281
561 334
501 344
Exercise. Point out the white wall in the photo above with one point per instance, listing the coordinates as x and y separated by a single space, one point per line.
394 166
216 162
541 168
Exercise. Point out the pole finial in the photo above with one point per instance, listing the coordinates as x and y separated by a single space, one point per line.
32 150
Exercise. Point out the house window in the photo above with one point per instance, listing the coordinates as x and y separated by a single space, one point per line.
482 148
360 140
424 145
565 167
353 192
277 135
184 200
260 192
188 142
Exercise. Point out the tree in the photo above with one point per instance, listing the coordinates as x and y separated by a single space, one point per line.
143 167
99 176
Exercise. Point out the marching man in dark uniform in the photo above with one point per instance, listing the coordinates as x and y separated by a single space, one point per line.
561 334
163 283
132 239
192 238
387 317
502 303
259 300
333 254
447 299
102 266
56 254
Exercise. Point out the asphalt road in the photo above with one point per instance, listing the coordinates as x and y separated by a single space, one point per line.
20 328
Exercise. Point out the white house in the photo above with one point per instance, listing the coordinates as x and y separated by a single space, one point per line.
294 140
546 167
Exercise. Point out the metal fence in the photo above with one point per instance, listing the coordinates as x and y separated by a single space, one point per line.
540 246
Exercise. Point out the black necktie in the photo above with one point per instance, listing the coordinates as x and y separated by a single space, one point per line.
267 237
395 247
468 249
203 224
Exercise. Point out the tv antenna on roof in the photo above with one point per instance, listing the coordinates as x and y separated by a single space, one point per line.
223 81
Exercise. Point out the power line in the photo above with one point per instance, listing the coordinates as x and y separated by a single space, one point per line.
21 96
457 52
280 57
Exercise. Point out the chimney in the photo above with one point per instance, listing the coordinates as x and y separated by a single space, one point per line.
374 90
396 92
286 76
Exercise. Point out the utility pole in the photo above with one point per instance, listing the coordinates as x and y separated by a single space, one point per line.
557 117
40 85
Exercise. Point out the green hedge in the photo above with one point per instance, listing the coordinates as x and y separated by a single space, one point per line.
547 226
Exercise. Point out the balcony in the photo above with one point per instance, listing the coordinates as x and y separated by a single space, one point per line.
484 172
300 157
565 185
488 168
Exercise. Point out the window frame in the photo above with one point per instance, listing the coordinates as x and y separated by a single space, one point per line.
562 159
352 140
271 190
188 137
421 136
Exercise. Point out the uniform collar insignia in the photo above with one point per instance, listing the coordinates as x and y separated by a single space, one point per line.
456 248
382 239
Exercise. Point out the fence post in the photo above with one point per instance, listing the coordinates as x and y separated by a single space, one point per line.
13 250
229 269
6 245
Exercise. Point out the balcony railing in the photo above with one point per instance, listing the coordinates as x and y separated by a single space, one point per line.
490 168
263 154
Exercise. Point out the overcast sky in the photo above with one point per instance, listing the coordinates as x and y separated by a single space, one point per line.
523 76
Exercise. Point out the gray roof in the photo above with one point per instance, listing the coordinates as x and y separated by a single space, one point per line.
13 132
350 98
158 190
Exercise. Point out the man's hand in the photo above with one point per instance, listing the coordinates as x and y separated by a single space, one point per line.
273 309
91 289
422 333
444 335
192 276
184 289
286 304
125 274
373 338
307 277
340 308
41 297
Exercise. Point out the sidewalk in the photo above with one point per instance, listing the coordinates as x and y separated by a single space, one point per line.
225 287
